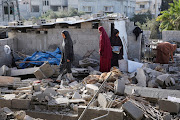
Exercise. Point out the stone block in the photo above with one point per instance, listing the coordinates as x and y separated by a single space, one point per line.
6 81
165 80
103 100
169 106
92 89
76 95
94 112
5 103
141 77
151 92
22 104
45 71
135 112
119 87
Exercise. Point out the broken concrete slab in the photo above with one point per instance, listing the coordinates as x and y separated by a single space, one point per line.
22 72
103 100
133 110
92 89
50 91
151 72
80 71
21 104
165 79
123 65
141 77
94 112
169 106
5 103
7 81
44 71
133 66
151 92
76 95
119 87
88 62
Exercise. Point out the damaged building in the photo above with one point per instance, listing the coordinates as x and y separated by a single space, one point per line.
135 91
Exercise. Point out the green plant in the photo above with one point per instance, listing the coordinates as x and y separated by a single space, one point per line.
170 19
141 17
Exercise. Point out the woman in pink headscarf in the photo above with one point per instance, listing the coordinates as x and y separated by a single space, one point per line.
105 51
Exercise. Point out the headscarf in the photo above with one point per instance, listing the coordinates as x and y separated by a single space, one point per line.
104 44
68 45
115 31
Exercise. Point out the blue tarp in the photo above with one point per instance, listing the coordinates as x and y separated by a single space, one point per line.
52 57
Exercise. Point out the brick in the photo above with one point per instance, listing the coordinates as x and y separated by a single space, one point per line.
168 106
5 103
6 81
119 87
133 110
20 104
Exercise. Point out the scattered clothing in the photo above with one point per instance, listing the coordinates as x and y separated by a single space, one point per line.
164 50
105 51
137 31
116 41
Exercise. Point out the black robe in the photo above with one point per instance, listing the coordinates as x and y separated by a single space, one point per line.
116 41
67 53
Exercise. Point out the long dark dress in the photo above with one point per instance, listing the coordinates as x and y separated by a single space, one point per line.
116 41
164 50
105 51
67 54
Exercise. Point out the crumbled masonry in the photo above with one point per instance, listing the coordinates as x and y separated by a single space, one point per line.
151 92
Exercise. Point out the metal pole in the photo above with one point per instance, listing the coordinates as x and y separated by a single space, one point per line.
17 3
3 9
8 2
102 85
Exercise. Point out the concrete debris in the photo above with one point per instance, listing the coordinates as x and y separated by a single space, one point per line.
165 79
88 62
133 110
147 91
8 81
141 77
119 87
45 71
168 106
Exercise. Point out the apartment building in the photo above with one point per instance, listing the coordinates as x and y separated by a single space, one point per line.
153 6
8 11
125 7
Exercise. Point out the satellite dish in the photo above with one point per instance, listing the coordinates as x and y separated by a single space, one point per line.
7 49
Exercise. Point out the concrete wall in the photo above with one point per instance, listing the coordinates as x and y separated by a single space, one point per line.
4 58
83 39
171 36
134 46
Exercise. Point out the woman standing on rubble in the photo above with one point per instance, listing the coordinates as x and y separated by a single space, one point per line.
67 56
105 51
117 48
164 51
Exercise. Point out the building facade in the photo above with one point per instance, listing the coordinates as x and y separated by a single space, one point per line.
36 8
153 6
8 11
125 7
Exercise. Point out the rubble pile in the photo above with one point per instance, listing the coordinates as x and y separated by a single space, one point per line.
7 114
149 92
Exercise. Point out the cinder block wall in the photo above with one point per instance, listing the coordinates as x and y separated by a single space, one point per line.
171 35
84 40
4 58
134 46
